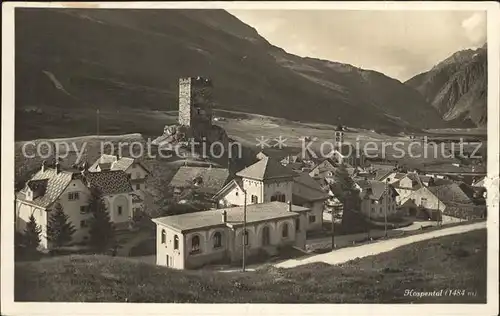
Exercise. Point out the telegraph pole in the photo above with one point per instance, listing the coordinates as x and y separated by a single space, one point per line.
244 235
385 213
97 120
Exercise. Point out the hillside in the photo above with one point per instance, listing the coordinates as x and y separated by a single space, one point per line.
457 87
71 62
454 262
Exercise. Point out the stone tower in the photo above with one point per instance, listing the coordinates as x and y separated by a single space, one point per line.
195 102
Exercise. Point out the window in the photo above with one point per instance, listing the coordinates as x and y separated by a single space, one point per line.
137 175
297 224
284 231
312 219
83 209
72 196
245 237
266 236
217 240
138 186
176 242
163 236
423 201
195 244
237 193
255 199
83 223
167 261
119 210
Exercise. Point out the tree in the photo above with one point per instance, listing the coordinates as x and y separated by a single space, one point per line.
59 228
102 233
32 233
346 192
345 189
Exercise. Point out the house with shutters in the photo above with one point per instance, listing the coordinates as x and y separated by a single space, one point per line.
136 170
378 199
192 240
71 189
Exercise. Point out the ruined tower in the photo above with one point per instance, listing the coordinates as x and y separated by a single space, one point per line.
195 102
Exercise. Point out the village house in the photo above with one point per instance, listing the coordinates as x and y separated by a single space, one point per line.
378 199
406 186
192 240
203 181
308 193
70 188
264 181
447 202
137 172
323 169
267 181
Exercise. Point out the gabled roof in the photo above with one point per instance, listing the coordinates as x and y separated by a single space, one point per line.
266 169
208 179
109 182
55 183
375 189
450 193
235 183
111 162
255 213
306 189
274 153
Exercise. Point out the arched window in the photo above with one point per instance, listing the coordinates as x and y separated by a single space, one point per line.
163 236
176 242
266 236
195 244
284 231
217 240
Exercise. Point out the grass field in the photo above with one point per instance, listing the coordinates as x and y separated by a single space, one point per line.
452 262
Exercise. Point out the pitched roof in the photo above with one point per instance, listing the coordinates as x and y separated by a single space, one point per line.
265 169
275 153
236 182
209 179
109 182
375 188
54 183
255 213
306 189
111 162
450 193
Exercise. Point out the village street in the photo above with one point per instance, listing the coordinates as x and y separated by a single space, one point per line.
350 253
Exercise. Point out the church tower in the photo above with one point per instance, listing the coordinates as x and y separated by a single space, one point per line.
339 141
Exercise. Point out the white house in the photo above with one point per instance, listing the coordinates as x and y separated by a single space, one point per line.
378 199
192 240
50 186
264 181
137 172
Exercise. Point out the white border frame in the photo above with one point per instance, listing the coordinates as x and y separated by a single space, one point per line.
9 307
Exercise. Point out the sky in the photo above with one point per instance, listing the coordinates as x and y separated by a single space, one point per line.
400 44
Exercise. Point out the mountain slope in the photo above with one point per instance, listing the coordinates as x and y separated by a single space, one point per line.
132 59
457 86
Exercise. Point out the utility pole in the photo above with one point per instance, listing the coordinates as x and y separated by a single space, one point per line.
385 212
336 208
97 117
244 234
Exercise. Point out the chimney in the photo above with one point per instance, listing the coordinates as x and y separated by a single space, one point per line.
58 167
289 206
224 216
43 166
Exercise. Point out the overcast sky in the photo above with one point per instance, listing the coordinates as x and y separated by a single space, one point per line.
400 44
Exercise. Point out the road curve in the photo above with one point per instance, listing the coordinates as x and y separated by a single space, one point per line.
345 254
